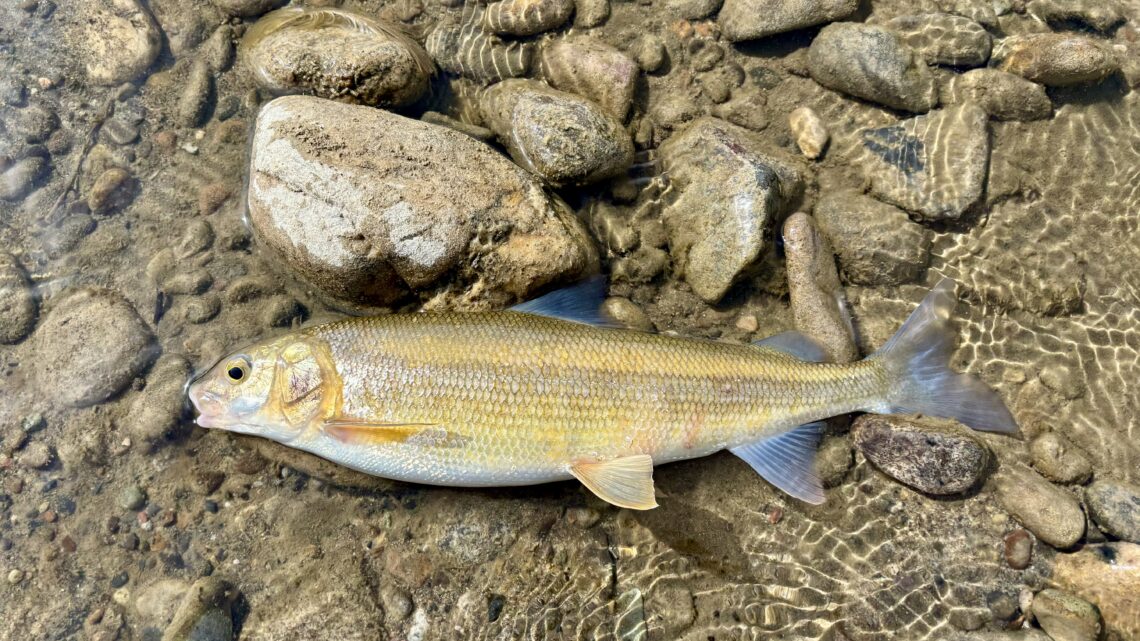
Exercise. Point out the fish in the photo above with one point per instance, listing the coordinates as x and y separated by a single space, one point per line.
552 390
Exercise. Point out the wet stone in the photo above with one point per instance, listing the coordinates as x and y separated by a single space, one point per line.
833 460
1003 95
114 189
187 283
934 165
818 304
692 9
204 614
876 243
591 13
871 62
132 497
933 456
90 346
18 180
1049 512
944 39
745 109
197 94
649 52
751 19
247 8
1115 507
118 40
526 17
34 123
37 455
809 131
593 70
1059 460
282 311
68 233
18 306
625 312
1095 14
1017 547
1055 59
156 412
1066 617
1108 576
396 601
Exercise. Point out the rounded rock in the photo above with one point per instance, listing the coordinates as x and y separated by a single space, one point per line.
1115 506
204 614
1066 617
120 37
944 39
156 412
563 138
526 17
18 180
338 55
132 497
933 456
1018 549
593 70
1049 512
876 243
649 52
629 315
90 346
1058 459
871 62
1055 59
817 300
809 131
247 8
1003 95
751 19
112 190
1107 575
18 306
591 13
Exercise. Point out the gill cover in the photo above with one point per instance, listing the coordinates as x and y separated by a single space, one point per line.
303 385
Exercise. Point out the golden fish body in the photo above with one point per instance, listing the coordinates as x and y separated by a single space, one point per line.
509 398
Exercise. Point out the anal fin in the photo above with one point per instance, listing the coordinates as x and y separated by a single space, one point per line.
787 461
624 482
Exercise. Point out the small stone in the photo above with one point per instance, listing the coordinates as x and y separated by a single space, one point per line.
593 70
1018 548
751 19
833 460
809 131
583 517
1063 378
18 308
692 9
37 456
197 92
204 614
211 196
871 62
207 481
1059 460
728 192
1066 617
282 311
934 165
35 123
560 137
649 52
526 17
129 541
197 238
187 283
1099 15
1115 507
202 308
627 314
1108 576
132 497
1003 95
112 190
247 8
590 13
704 54
944 39
15 576
817 299
218 50
931 455
336 54
1055 59
120 133
156 412
1049 512
876 243
747 323
18 180
397 603
745 108
118 38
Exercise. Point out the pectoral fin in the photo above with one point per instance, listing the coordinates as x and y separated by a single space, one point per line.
787 461
360 432
625 482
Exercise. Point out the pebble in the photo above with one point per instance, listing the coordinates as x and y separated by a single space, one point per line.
934 456
69 232
1049 512
1055 59
871 62
336 54
728 192
629 315
876 244
396 601
751 19
119 132
204 614
1096 14
1065 616
18 308
933 165
187 283
282 311
211 196
526 17
1058 459
465 48
1115 507
196 238
593 70
944 39
247 8
1107 575
1003 95
114 189
649 52
834 458
156 413
197 92
37 455
15 576
218 50
745 108
34 123
809 131
1017 547
692 9
445 191
17 181
562 138
612 227
817 300
132 497
119 39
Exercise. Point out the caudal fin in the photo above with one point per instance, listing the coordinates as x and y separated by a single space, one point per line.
918 359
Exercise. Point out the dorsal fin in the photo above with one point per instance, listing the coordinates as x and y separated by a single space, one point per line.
795 344
580 303
787 461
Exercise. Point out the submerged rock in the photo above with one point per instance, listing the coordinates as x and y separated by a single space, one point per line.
119 39
1003 95
818 305
90 346
1100 15
526 17
872 63
561 137
810 132
157 411
728 194
1055 59
1058 459
593 70
931 455
944 39
1108 576
17 302
1115 506
1049 512
750 19
18 180
876 243
1066 617
336 54
368 205
247 8
933 165
463 47
204 614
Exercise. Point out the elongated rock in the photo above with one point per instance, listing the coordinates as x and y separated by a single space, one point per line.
750 19
872 63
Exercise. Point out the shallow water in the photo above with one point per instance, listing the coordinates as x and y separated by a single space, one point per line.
111 509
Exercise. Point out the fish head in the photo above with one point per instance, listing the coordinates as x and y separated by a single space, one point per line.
273 390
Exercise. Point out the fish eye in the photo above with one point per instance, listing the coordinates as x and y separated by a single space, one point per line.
237 370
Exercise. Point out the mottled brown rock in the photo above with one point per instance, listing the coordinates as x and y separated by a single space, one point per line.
1049 512
1115 506
810 133
1107 575
1101 15
872 63
1066 617
157 411
818 303
1003 95
876 243
1055 59
204 612
526 17
1018 548
944 39
1058 459
751 19
118 39
931 455
18 305
593 70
